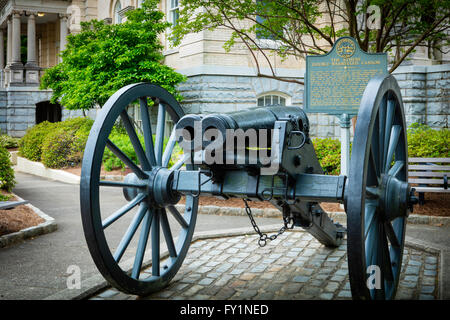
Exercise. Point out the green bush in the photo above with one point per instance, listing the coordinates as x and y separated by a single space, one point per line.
328 152
8 142
425 142
7 181
122 141
64 146
30 146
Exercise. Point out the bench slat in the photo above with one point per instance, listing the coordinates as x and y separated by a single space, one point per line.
431 189
427 174
428 167
427 181
445 160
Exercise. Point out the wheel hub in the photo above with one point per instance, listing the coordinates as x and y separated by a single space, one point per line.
159 189
395 198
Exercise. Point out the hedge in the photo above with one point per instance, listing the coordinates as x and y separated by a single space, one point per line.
64 146
58 144
61 144
7 181
425 142
8 142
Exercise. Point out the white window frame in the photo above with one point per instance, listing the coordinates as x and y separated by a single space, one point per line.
117 17
171 10
287 98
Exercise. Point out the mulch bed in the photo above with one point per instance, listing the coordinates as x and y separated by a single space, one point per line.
21 217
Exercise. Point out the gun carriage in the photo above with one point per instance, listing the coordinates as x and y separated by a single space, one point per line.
376 195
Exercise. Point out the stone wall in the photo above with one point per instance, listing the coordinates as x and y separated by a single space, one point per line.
18 109
426 94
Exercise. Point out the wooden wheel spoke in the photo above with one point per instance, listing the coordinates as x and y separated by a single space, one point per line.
369 220
390 112
371 242
160 126
155 244
124 158
393 142
168 234
130 233
386 265
169 149
180 162
135 141
373 172
119 213
382 128
178 217
396 168
147 128
143 239
391 235
120 184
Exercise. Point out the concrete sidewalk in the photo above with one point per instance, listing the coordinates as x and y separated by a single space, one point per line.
37 268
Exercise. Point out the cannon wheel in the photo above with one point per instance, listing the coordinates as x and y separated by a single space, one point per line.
137 191
378 195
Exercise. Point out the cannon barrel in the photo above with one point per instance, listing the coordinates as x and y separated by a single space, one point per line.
254 118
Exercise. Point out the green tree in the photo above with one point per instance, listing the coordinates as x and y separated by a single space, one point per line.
304 27
103 58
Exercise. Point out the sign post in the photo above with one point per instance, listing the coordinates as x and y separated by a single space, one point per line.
335 83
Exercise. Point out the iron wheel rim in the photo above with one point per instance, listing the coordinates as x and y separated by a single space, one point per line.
90 203
372 238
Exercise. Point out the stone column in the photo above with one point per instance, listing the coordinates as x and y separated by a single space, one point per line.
9 43
16 60
31 40
63 32
2 50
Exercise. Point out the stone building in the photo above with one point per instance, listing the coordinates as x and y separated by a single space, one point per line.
218 81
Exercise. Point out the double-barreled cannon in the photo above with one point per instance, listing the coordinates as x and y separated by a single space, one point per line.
261 154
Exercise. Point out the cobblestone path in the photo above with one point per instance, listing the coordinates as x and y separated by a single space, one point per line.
294 266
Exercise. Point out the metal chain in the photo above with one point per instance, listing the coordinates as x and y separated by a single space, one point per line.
263 237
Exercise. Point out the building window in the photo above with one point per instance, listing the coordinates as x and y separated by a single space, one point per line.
271 100
173 11
117 16
139 3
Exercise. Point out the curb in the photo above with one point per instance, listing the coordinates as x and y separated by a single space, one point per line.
38 169
95 284
49 225
340 217
444 259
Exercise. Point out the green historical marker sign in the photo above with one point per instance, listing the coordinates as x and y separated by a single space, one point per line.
335 82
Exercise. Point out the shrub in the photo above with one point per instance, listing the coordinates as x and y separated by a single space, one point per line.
428 143
65 145
30 146
122 141
8 142
7 181
328 152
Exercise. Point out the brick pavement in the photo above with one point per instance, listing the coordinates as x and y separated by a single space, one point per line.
294 266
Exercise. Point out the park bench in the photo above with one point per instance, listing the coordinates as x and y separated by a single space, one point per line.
430 174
